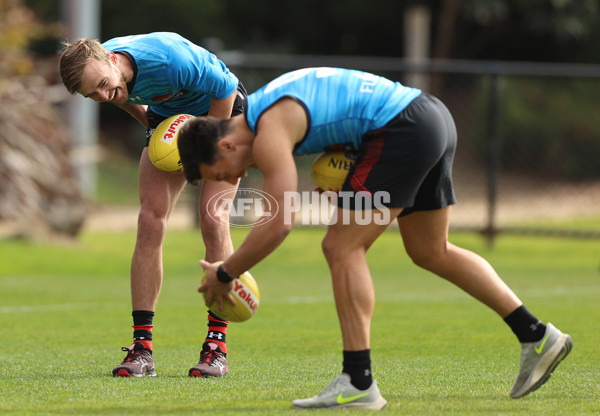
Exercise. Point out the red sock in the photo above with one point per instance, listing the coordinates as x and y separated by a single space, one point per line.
142 334
217 330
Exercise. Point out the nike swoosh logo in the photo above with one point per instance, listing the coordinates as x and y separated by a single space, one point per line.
541 347
342 400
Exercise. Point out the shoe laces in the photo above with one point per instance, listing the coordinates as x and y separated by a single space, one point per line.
209 356
132 354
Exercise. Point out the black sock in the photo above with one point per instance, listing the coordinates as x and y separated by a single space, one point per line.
526 327
357 364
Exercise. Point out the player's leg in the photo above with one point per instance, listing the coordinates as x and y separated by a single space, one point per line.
214 224
214 221
345 246
425 235
158 193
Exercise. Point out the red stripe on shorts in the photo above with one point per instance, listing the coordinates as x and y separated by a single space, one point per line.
374 148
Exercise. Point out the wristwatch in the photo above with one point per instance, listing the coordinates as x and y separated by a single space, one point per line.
223 275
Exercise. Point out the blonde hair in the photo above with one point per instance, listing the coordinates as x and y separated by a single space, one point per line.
75 56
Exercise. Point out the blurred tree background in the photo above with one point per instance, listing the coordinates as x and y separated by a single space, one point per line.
550 31
517 30
532 30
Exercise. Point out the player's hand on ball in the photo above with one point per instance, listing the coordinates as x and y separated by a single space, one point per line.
213 289
236 301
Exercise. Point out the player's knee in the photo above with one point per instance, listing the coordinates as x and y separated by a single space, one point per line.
151 226
213 230
333 248
425 257
328 246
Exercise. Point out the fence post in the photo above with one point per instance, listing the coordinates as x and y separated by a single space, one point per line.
494 158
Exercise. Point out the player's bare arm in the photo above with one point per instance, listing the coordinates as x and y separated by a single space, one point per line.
280 128
222 108
261 241
136 111
272 155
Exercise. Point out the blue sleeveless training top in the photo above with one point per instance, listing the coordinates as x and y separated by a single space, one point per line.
341 104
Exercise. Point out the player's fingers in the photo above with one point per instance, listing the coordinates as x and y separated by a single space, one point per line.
220 303
208 298
231 299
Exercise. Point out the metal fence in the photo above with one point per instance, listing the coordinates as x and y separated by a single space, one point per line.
528 159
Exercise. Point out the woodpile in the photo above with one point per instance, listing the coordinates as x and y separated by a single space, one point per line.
39 196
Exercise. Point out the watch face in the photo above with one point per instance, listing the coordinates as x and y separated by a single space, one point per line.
223 275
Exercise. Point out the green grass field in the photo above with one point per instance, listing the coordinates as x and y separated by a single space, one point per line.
65 313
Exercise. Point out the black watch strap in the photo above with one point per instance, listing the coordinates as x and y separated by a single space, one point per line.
223 275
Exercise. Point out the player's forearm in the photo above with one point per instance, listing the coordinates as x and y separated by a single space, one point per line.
136 111
222 108
259 243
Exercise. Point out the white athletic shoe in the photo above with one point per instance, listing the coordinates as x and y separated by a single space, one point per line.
341 393
539 359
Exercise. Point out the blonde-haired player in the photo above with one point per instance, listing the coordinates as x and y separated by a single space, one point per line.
152 77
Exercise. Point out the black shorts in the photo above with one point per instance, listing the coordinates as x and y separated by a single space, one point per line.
239 107
410 158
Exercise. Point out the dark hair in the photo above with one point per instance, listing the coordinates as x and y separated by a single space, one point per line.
197 142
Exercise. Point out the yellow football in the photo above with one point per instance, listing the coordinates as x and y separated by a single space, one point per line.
329 170
162 149
247 297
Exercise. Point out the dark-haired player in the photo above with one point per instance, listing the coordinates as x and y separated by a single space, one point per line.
405 141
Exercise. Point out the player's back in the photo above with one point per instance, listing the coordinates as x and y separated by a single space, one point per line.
341 104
